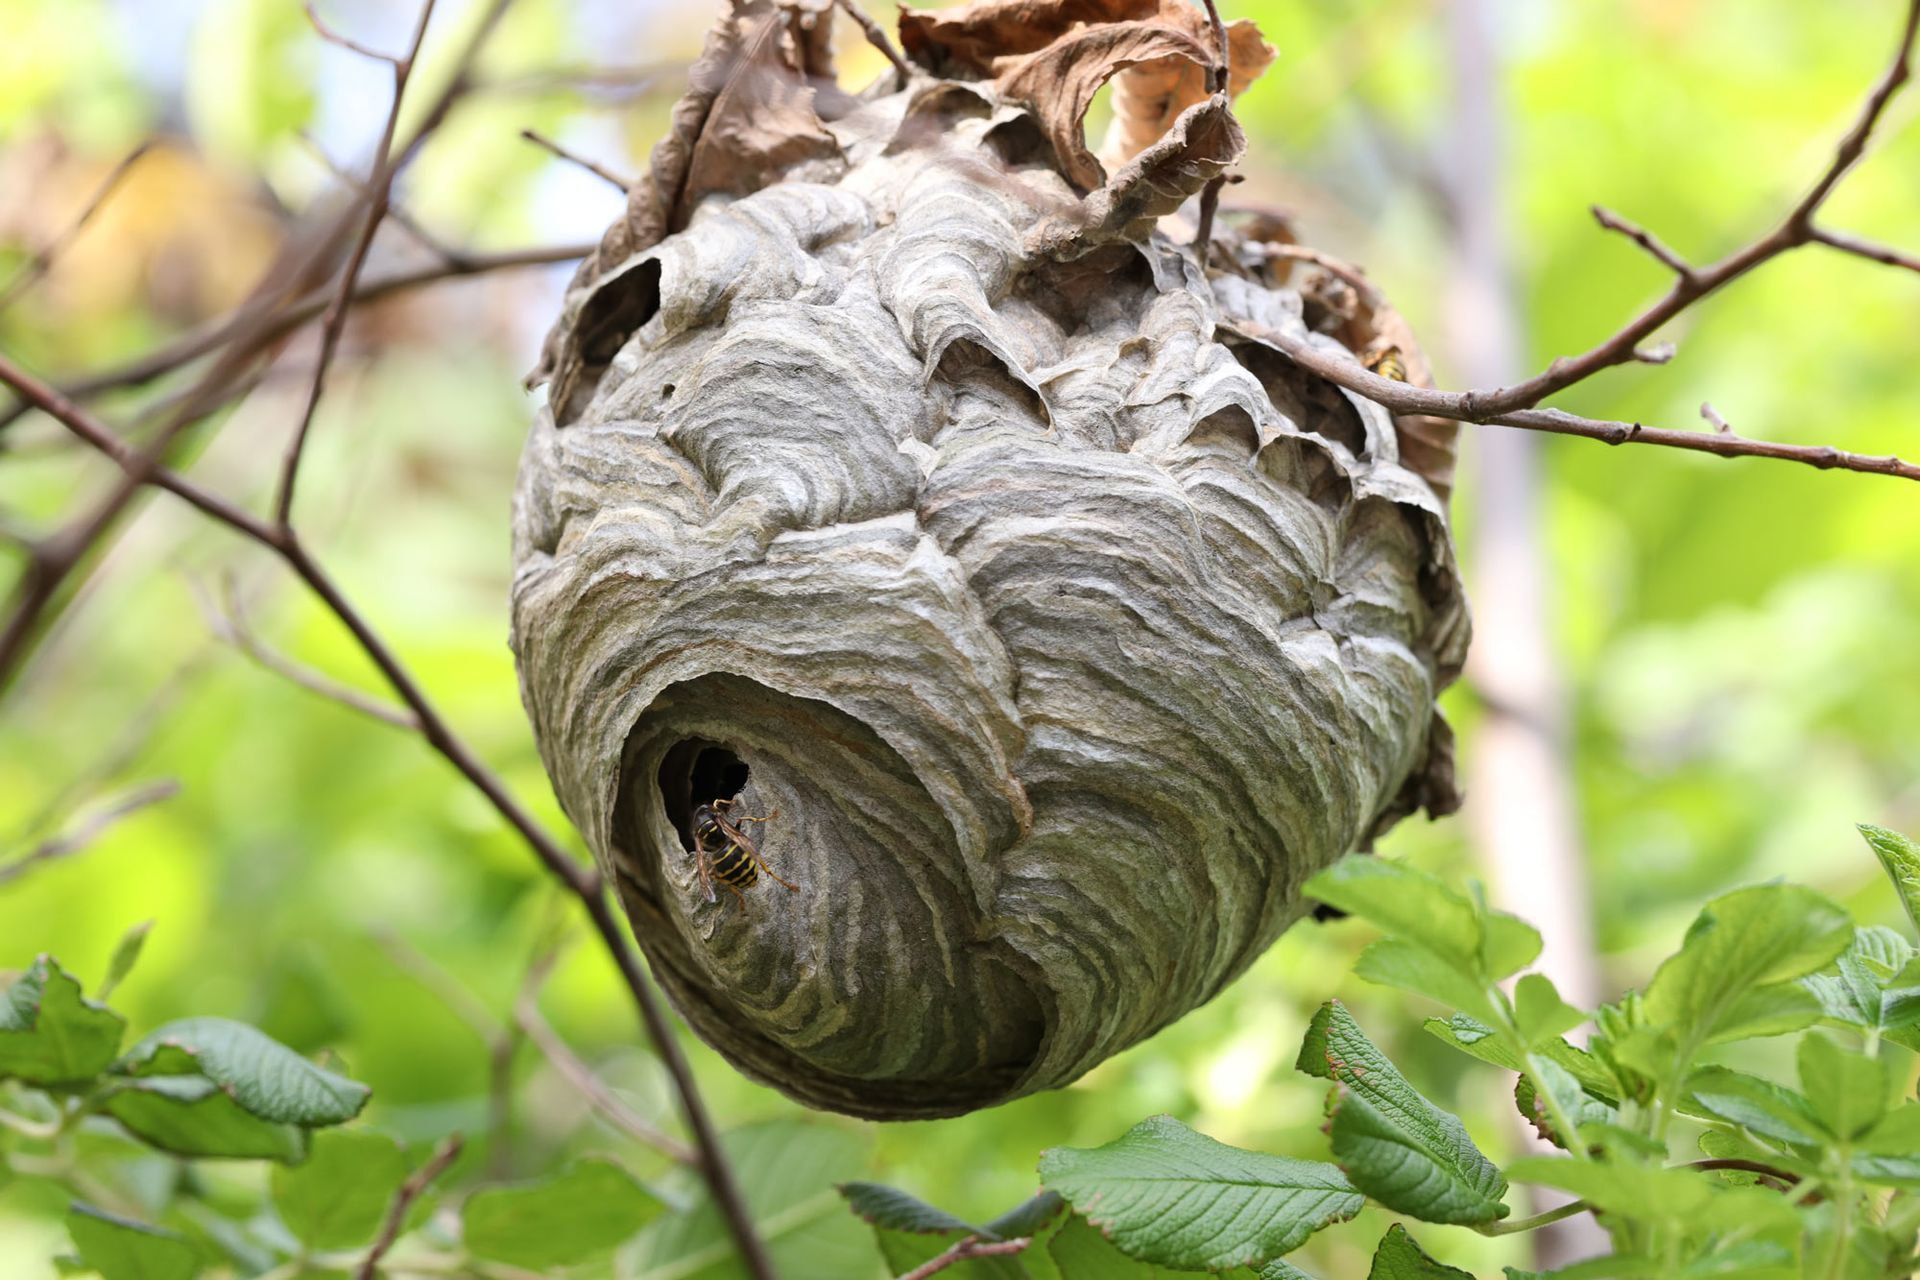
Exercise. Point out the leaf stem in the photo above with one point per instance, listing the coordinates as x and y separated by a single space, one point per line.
27 1128
1517 1225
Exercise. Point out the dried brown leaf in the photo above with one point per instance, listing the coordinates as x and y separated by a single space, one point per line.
1053 56
1059 82
1203 142
969 41
1149 96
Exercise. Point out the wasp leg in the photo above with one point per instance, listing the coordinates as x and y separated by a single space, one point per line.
738 897
737 820
757 857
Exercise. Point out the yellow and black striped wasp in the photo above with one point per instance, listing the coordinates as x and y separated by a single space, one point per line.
737 861
1387 361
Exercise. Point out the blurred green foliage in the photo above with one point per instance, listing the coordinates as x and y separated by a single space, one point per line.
1737 637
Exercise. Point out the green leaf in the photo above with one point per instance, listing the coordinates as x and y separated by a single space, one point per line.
1168 1195
1399 1258
1847 1090
1871 985
1509 944
787 1171
1632 1190
1407 904
1760 1106
1281 1269
1539 1013
1747 939
1478 1040
265 1077
1026 1218
1393 1144
1900 859
586 1209
1771 1010
896 1210
126 954
1082 1253
1393 962
120 1249
50 1033
339 1196
191 1116
1580 1108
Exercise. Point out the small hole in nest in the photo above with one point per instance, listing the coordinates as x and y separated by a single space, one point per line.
666 391
694 773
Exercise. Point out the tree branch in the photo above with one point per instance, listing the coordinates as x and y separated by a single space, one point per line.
1467 406
527 1016
212 337
226 618
541 140
411 1190
585 883
1217 81
876 37
965 1250
1665 256
379 192
1860 248
43 258
88 830
1689 286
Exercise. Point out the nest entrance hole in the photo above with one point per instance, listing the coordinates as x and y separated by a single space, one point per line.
696 772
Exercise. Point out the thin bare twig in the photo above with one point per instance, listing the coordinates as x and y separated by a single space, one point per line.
298 270
1796 229
614 82
527 1016
43 258
410 1190
89 829
1217 81
226 618
1868 249
599 171
1712 415
211 337
1654 246
877 37
962 1251
1464 406
334 37
396 213
585 883
379 190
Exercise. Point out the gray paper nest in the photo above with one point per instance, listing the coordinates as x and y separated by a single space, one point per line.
903 477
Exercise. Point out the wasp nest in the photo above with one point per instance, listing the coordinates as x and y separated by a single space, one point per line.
905 478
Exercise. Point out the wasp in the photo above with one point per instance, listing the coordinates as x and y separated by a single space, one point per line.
1387 362
724 852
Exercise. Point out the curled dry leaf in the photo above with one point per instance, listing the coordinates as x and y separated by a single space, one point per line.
1201 145
1053 57
1149 96
928 501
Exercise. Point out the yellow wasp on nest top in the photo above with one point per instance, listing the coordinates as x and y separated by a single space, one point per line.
1387 362
738 862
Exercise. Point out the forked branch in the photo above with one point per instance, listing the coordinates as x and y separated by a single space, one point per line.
1691 284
